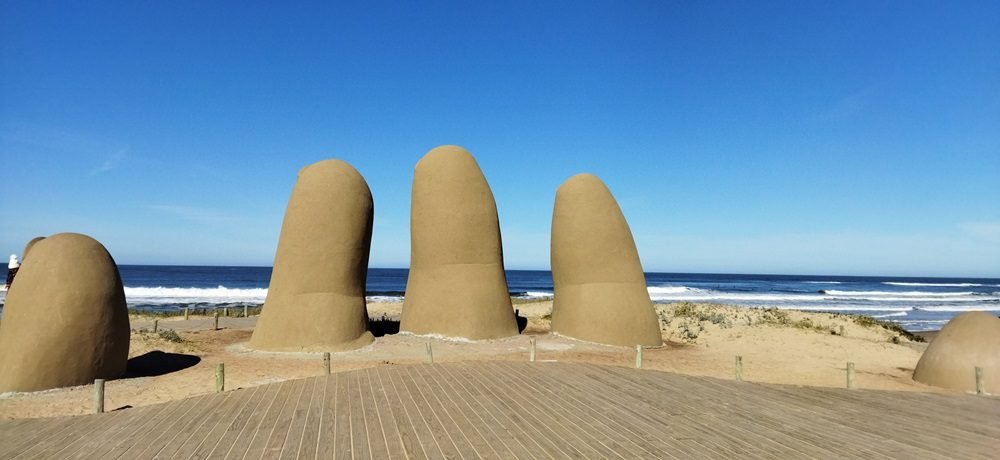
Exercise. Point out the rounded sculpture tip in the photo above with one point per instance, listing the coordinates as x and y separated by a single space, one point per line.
31 244
65 318
968 341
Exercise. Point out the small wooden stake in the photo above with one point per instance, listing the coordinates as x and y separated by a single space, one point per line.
220 378
638 356
326 362
98 396
842 330
531 350
979 381
186 312
216 326
850 376
225 311
430 353
245 315
739 368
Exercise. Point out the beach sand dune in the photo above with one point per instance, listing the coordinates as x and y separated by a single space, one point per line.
777 346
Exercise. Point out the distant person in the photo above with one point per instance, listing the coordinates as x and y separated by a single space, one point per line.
12 267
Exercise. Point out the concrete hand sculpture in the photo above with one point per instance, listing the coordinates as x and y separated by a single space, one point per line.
600 290
457 286
65 321
316 299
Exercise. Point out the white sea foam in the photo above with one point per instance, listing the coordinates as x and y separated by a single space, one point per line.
834 292
844 308
956 308
890 315
536 295
900 283
384 298
220 294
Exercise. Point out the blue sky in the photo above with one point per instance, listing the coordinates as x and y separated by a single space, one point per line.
793 137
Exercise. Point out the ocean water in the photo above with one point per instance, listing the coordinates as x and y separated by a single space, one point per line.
915 303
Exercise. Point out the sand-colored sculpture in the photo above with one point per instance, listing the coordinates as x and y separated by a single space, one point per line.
457 286
30 245
65 321
316 299
969 340
600 291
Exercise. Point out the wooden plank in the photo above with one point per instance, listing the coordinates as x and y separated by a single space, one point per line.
148 417
296 430
511 421
608 442
183 431
203 443
405 429
524 410
386 419
162 435
447 399
282 424
426 412
360 443
327 431
421 432
538 416
273 419
343 447
431 408
486 427
240 435
377 445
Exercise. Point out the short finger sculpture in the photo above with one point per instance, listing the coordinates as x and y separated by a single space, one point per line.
600 290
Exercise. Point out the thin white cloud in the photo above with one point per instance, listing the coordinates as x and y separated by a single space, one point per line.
112 161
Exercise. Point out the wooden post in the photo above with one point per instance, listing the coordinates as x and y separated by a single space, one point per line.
156 325
225 312
220 378
979 381
850 376
216 326
186 312
531 350
326 362
430 353
98 396
638 356
842 330
245 315
739 368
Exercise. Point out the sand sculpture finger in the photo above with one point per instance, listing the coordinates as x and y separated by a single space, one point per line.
30 245
969 340
600 290
65 321
316 299
456 286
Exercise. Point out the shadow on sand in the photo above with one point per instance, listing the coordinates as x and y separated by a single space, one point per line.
157 363
386 325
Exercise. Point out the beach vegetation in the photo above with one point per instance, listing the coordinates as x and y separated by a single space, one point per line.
170 335
869 322
698 313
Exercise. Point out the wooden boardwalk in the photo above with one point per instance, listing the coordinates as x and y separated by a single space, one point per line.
526 411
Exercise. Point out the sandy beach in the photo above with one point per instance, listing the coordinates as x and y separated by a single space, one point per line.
777 346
